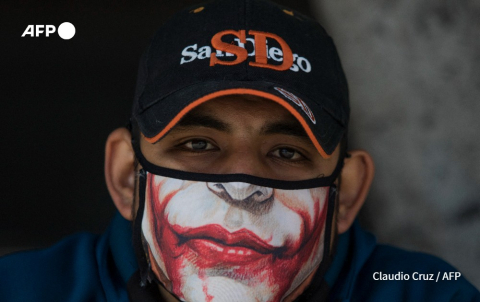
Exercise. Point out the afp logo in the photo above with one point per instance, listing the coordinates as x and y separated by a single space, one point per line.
66 30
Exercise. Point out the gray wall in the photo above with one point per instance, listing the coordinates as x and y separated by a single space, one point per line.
414 74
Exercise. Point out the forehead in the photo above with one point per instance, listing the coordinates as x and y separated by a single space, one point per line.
251 111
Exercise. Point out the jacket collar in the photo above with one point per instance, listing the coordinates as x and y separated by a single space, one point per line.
120 241
360 246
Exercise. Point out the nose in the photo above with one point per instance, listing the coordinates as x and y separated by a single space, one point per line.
255 199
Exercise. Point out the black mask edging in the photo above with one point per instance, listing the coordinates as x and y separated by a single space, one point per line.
222 178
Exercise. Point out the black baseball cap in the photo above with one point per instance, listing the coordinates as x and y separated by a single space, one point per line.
253 47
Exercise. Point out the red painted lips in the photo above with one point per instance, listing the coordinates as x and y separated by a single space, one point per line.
216 245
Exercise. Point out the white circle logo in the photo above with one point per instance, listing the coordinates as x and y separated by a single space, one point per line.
66 30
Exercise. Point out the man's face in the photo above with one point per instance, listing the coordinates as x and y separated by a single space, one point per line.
211 236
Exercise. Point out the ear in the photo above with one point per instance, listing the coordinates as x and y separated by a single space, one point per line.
120 171
356 178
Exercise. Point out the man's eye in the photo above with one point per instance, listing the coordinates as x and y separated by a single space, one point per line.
287 153
198 145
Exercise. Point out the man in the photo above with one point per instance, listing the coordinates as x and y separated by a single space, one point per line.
235 174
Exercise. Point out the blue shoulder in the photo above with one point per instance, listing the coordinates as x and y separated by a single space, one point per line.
67 271
417 277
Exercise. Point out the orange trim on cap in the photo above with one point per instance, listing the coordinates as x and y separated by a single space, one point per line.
263 94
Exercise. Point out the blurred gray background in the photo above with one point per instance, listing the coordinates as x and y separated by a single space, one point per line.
414 73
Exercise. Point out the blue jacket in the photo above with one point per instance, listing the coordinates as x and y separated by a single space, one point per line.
86 267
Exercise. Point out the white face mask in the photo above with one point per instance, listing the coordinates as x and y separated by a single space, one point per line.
235 237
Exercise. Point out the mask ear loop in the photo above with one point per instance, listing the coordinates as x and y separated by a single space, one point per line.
141 249
139 243
320 292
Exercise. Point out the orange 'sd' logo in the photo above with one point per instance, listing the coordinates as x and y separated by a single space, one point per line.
218 44
260 41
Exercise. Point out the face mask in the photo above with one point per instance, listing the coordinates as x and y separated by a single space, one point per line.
231 237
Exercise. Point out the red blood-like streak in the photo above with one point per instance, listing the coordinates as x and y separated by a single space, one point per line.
284 269
163 239
274 268
208 297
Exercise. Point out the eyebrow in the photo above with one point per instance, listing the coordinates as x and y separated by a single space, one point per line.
292 128
193 119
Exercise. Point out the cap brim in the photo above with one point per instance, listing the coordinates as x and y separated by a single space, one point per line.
157 120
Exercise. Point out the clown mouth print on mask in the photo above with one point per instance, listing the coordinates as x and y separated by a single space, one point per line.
232 237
